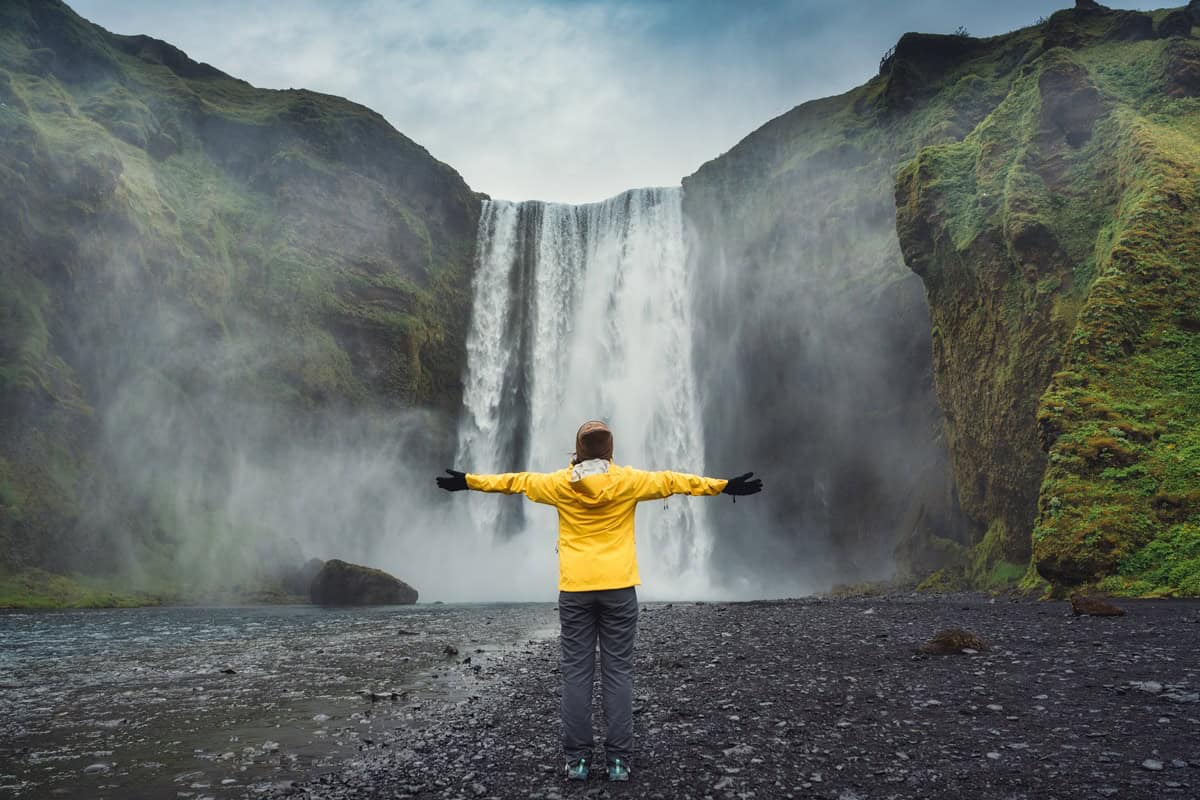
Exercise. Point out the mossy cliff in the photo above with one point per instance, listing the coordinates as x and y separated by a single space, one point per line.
1059 243
171 232
815 335
1044 185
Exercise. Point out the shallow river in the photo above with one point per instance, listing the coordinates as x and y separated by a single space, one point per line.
208 702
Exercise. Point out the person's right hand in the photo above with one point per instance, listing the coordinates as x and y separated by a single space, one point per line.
457 481
742 485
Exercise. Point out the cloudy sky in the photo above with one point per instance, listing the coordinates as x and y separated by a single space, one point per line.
568 100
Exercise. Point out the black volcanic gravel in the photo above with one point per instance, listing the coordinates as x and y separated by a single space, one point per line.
828 699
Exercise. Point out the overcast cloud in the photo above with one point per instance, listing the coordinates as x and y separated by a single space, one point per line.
572 100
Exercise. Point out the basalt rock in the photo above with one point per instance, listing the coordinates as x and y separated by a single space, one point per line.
1084 605
952 641
917 65
1181 70
1070 104
1176 23
340 583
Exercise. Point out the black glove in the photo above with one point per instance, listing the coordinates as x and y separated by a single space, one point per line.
742 485
457 481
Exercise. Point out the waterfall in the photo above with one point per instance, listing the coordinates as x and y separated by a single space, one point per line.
582 312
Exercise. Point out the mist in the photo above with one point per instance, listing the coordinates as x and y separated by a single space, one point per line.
237 492
702 361
814 366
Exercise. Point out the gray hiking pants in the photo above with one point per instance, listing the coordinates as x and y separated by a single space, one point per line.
610 616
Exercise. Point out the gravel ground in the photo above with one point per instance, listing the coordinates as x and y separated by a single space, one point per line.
828 699
200 703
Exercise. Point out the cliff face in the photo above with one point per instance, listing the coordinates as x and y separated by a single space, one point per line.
1034 174
196 271
182 250
1058 246
815 340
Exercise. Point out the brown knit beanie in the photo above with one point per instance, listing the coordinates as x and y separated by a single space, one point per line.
594 440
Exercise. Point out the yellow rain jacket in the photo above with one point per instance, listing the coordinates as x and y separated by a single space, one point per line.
595 516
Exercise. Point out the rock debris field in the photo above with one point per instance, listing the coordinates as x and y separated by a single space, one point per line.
829 699
202 703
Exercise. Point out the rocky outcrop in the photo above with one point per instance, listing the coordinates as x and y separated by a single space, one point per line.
816 331
188 262
916 68
1057 247
340 583
994 288
1013 161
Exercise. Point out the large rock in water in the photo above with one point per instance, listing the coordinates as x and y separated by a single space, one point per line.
340 583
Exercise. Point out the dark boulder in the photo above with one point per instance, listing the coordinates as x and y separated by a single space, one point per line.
919 62
1071 104
1084 605
951 641
343 584
1177 23
1182 69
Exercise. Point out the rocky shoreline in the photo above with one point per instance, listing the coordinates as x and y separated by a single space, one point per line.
829 699
203 703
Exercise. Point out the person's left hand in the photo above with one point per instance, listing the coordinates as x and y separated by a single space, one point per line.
742 485
457 481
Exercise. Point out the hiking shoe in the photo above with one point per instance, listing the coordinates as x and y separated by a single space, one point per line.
577 770
618 770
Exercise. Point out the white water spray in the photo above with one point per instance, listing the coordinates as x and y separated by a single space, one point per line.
582 312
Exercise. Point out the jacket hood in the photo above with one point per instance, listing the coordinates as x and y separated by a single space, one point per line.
592 481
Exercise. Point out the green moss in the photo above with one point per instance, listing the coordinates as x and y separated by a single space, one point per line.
1168 565
1033 584
35 588
1122 431
999 560
32 588
947 579
157 209
1015 163
1084 178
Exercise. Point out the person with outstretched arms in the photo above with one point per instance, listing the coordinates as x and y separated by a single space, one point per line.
597 559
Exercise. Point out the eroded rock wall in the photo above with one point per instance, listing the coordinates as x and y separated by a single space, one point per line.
1060 273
